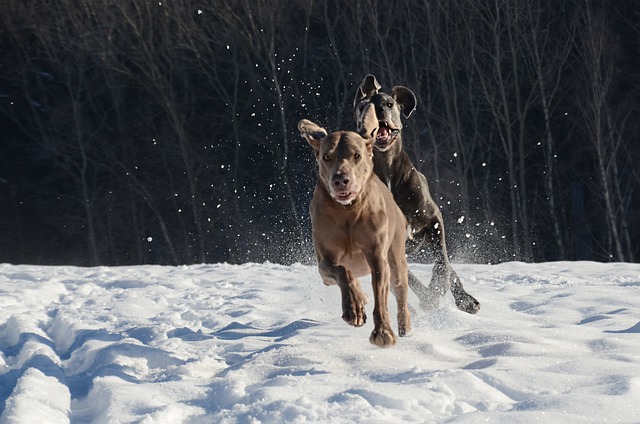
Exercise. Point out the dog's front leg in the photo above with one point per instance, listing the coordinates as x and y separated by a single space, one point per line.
353 299
399 287
382 334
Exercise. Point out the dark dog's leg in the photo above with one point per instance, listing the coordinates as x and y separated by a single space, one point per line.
427 300
464 301
444 278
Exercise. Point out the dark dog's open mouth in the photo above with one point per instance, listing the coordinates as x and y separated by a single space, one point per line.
386 136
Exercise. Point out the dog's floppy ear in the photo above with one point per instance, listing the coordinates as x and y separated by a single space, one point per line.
405 98
369 123
312 132
368 87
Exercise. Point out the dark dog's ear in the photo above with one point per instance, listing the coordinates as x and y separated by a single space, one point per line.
405 98
313 133
367 88
369 123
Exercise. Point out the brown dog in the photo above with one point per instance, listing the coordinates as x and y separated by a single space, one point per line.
410 189
357 227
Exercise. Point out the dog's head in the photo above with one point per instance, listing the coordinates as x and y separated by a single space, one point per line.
344 158
388 108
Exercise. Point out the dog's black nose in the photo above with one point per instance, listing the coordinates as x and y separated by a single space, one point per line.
341 180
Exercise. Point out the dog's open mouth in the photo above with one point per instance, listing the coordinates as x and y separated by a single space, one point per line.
345 197
386 136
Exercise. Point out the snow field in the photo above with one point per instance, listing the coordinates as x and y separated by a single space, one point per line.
553 342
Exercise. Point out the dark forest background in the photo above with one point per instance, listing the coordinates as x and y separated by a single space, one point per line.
164 131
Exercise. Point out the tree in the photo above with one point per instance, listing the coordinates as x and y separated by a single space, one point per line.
605 124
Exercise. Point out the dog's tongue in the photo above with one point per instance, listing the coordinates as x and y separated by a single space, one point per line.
384 132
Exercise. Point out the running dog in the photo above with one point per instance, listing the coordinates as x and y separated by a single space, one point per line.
410 189
357 227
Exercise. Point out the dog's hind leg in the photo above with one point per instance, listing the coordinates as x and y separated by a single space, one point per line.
427 300
464 301
444 278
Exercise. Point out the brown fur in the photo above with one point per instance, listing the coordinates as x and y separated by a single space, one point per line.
357 227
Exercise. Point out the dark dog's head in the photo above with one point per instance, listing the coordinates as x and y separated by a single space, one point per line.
344 158
388 108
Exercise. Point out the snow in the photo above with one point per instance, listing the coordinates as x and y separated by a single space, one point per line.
261 343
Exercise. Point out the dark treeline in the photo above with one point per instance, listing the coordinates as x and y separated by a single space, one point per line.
165 131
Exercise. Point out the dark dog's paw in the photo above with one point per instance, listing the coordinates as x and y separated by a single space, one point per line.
383 337
468 304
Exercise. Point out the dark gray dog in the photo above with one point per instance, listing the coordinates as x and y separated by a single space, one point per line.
410 190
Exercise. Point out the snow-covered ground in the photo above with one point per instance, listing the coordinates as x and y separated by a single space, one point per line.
553 343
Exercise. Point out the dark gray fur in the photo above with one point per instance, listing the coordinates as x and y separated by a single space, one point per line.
410 190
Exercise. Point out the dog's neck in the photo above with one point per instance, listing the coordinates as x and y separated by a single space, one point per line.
388 165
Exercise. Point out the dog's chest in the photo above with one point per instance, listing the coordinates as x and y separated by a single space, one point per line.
382 169
341 238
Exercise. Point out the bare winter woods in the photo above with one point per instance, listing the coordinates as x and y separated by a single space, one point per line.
165 131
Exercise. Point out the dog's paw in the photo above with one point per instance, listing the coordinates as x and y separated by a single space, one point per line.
354 312
404 329
404 323
357 319
383 337
468 304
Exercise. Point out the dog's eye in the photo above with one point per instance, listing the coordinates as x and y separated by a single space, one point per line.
357 156
326 157
389 104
